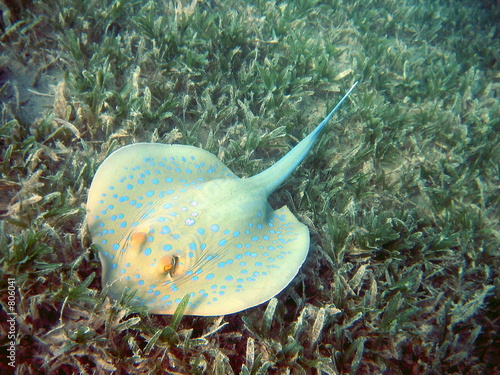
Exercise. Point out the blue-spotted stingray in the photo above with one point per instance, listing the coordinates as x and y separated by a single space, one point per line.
171 220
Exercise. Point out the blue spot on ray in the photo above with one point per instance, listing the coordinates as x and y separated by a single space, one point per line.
179 222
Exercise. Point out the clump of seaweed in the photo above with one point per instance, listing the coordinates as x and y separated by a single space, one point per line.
401 195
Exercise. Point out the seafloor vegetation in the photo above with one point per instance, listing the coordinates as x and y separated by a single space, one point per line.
401 195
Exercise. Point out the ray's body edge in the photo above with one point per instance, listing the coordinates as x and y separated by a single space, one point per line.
248 230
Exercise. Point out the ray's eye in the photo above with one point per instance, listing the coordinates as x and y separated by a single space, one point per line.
171 265
137 239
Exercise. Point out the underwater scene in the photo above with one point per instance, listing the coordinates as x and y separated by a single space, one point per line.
250 187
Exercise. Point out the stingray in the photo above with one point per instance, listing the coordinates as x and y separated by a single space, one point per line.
172 220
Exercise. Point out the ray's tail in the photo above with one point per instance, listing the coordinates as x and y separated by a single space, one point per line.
271 179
